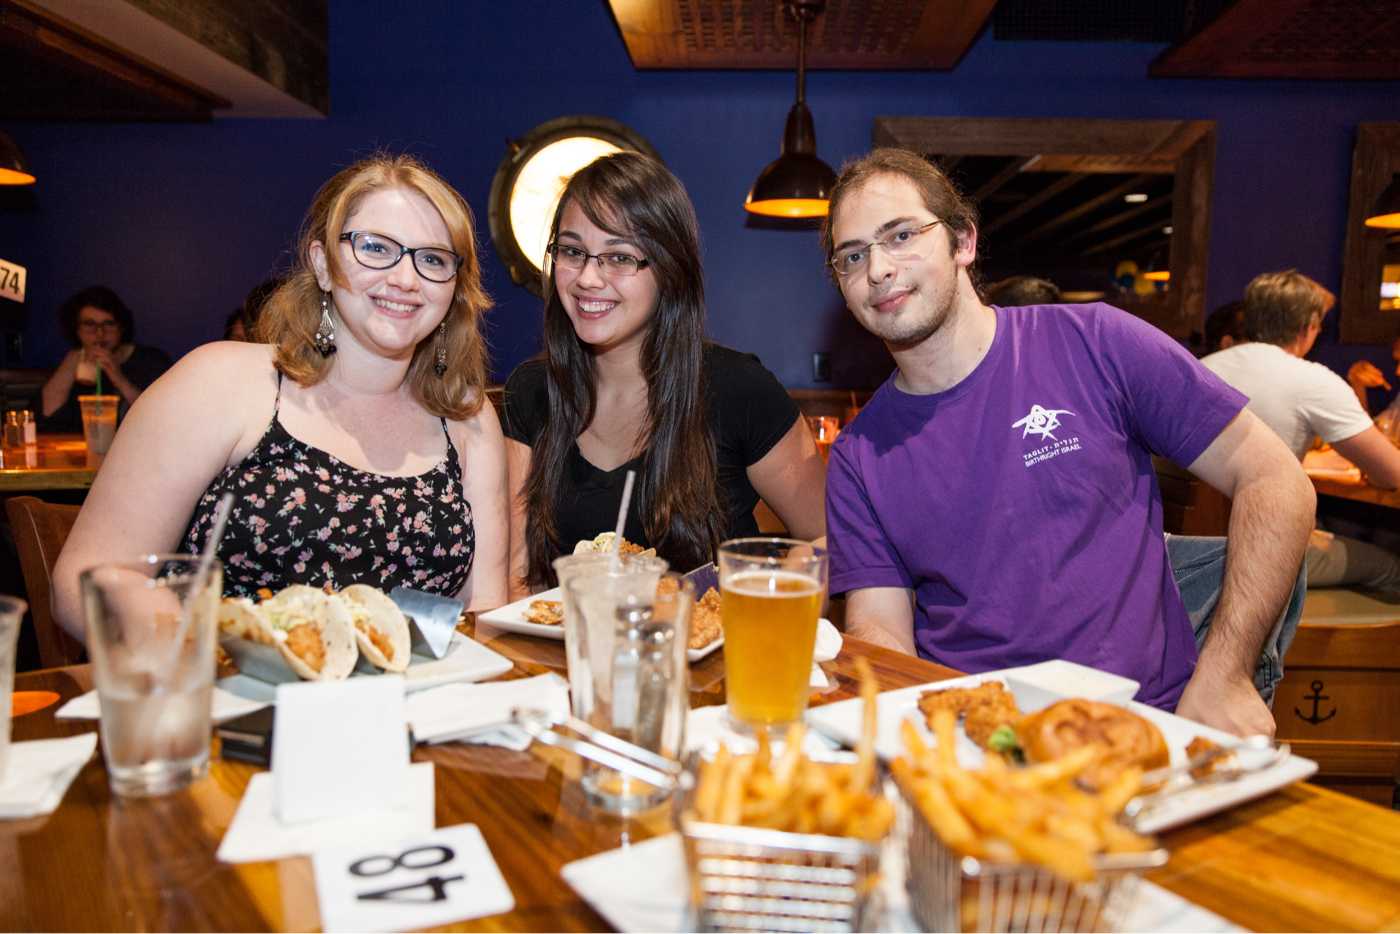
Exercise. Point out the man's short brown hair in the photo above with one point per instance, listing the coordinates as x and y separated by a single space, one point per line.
1278 306
940 196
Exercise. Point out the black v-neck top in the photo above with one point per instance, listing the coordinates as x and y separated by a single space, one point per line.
748 412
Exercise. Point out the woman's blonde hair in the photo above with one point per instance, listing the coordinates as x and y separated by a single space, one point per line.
291 316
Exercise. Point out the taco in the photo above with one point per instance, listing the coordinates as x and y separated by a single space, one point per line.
312 630
239 617
381 629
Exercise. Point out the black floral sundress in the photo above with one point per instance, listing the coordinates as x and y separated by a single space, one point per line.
302 516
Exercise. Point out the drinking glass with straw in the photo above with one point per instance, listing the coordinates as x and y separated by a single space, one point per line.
152 628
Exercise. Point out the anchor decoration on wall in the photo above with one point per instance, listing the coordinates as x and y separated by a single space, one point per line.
1317 697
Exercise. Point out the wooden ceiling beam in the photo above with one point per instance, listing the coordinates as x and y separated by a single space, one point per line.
1135 234
1034 201
1015 167
1084 207
1122 217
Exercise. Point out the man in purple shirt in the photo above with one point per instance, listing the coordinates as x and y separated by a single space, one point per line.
995 503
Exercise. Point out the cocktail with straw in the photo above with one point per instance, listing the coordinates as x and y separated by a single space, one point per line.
152 628
99 413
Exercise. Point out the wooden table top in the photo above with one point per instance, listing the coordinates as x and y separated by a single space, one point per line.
57 462
1358 490
1303 858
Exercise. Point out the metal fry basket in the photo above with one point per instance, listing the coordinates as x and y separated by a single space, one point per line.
948 892
752 879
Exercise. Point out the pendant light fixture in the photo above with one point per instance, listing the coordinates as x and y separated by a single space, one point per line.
797 183
13 168
1385 215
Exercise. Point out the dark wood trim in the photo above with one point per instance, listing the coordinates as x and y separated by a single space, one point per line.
29 29
1262 39
848 34
1084 207
1375 162
1187 146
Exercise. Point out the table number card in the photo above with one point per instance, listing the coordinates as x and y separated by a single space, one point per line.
421 881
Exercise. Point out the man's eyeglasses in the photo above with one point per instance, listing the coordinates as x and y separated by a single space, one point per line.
377 251
612 265
98 325
901 243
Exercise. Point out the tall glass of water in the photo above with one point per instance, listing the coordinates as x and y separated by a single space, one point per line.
151 635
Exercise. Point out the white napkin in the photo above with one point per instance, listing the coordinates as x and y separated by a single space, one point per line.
40 772
643 888
479 713
828 646
710 725
256 834
223 706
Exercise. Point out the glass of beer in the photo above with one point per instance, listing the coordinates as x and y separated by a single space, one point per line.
771 592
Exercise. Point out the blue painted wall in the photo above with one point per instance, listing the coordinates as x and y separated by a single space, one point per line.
182 219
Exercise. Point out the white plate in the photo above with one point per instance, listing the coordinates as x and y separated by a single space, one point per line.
261 668
841 721
511 618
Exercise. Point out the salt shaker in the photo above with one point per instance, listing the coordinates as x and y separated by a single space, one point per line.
29 431
14 430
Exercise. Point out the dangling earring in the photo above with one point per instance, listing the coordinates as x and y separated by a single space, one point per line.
325 332
440 361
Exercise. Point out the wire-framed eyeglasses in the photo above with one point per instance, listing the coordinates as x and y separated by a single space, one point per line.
613 265
376 251
900 243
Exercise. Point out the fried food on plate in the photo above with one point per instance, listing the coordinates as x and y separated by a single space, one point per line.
545 612
986 707
705 626
381 629
1121 738
603 541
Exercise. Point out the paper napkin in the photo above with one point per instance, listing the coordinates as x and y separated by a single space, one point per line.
40 772
256 833
480 713
224 706
829 642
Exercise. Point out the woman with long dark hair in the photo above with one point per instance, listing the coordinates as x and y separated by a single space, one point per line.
627 381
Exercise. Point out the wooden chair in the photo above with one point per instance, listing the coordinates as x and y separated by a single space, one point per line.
1190 506
40 530
1339 701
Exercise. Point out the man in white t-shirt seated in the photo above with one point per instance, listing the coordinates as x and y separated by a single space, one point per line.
1301 401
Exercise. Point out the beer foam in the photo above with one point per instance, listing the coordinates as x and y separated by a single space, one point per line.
766 584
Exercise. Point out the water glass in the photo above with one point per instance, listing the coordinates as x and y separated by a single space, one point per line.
151 635
11 614
99 421
633 674
771 592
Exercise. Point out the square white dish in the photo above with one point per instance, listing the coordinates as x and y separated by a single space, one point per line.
511 618
261 668
841 721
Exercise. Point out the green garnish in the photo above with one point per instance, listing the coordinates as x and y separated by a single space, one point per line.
1004 741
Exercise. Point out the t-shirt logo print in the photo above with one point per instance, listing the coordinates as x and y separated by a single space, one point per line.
1041 421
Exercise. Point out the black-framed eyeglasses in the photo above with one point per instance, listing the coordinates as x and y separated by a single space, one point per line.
377 251
616 264
901 243
98 325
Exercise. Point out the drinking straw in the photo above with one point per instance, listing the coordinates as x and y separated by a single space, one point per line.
615 552
201 573
98 392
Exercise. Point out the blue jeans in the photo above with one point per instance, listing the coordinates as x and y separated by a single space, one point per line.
1198 564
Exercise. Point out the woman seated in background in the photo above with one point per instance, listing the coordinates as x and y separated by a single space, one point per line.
627 381
358 443
101 330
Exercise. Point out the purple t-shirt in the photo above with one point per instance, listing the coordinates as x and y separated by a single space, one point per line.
1021 506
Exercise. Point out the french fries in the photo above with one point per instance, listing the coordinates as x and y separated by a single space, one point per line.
1034 815
791 792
